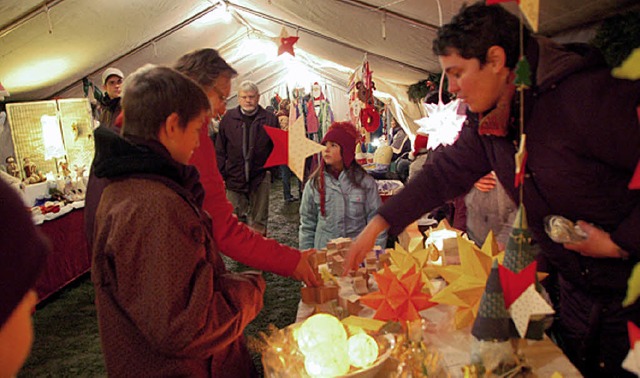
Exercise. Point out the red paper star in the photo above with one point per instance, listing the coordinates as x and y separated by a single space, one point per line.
398 299
280 153
514 284
286 45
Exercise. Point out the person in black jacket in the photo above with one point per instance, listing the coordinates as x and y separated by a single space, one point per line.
583 144
110 103
242 148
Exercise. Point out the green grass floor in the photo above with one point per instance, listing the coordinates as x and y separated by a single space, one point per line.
67 343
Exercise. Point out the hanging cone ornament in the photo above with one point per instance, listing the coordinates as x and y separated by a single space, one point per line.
493 320
519 254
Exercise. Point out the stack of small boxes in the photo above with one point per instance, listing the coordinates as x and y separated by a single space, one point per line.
333 256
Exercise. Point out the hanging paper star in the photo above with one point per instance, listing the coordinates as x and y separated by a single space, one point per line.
531 11
292 147
632 361
514 284
529 304
399 299
635 180
442 124
285 42
633 287
630 68
521 160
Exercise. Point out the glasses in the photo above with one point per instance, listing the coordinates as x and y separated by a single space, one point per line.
224 99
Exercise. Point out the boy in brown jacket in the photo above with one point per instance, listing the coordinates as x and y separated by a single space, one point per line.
166 304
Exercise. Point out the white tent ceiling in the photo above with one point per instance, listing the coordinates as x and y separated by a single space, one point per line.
47 47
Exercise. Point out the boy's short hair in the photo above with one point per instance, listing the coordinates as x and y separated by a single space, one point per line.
476 28
204 66
152 93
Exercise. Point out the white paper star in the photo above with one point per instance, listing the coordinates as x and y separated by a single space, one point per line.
300 147
632 361
442 123
529 303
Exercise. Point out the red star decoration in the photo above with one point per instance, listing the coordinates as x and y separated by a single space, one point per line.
398 299
280 153
286 45
514 284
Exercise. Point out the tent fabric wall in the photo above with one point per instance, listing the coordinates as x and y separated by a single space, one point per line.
46 51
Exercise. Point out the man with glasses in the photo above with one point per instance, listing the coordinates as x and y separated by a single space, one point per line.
242 148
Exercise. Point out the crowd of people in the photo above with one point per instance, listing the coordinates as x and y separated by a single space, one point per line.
164 202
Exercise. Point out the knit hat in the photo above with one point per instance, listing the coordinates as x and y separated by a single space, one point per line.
420 145
345 135
111 71
23 251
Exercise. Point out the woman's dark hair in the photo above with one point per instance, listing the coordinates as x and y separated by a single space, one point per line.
152 93
476 28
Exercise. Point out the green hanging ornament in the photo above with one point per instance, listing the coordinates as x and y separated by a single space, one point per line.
523 73
85 86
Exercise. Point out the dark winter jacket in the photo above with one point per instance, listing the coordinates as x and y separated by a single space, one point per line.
583 142
231 160
110 108
166 304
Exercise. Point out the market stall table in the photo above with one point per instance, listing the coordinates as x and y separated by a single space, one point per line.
69 257
544 357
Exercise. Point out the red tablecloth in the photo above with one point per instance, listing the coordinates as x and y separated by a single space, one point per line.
69 257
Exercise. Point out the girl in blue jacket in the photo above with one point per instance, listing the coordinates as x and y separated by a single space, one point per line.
340 197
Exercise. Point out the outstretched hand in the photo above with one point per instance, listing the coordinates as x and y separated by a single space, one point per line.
304 270
597 244
486 183
364 243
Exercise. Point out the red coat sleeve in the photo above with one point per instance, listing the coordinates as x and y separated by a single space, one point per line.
232 237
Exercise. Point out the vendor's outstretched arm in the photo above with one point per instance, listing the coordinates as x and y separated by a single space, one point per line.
364 243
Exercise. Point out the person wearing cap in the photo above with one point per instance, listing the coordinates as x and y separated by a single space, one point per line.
22 257
242 148
110 102
340 197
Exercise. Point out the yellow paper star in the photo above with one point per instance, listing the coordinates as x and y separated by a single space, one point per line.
466 284
403 261
300 147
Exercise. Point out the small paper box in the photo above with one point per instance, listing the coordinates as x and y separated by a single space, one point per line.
343 251
331 245
408 234
360 286
450 251
336 268
343 243
326 293
308 295
321 257
331 253
352 308
383 259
